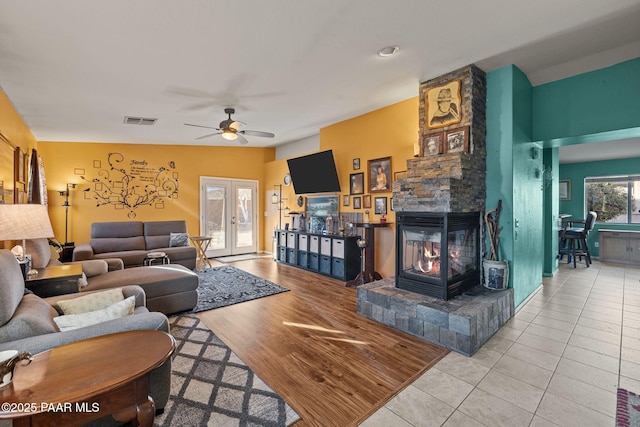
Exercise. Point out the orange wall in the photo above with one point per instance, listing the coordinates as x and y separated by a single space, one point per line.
387 132
64 162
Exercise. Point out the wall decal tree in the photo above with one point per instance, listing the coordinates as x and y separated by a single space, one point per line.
133 184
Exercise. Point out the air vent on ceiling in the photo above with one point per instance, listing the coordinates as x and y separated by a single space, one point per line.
139 121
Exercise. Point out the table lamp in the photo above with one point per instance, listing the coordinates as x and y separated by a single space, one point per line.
24 221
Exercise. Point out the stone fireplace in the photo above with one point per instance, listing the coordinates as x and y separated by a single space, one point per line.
439 204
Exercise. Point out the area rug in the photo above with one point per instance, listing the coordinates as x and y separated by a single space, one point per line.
627 409
211 386
226 285
236 258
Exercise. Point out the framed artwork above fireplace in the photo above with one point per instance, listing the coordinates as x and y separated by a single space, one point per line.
457 140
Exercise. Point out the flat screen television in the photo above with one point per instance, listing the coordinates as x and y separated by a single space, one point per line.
314 173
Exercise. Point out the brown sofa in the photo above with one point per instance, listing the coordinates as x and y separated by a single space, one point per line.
131 241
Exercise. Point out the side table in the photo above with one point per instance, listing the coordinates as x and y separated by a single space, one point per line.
54 389
202 244
369 274
55 280
156 256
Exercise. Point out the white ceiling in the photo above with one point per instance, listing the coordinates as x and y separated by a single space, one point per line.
74 68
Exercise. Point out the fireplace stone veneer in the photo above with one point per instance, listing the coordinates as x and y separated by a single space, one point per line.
462 324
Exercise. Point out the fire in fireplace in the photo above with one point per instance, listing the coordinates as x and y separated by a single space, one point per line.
437 253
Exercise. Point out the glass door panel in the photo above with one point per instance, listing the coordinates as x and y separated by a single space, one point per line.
228 216
244 222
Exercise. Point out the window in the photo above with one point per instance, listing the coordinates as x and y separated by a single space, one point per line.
614 198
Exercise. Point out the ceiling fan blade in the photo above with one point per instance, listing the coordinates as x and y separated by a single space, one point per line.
208 135
200 126
257 133
242 140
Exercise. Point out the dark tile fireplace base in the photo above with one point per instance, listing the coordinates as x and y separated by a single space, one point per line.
462 324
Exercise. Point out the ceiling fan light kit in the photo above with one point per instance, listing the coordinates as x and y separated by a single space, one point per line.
229 129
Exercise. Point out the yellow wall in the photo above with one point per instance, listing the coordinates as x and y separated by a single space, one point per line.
387 132
13 128
64 162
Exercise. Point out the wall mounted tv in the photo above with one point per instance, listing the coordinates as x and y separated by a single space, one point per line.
314 173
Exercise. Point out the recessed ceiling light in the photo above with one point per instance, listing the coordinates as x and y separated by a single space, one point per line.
388 51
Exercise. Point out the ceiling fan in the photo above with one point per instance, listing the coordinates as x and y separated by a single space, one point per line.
230 129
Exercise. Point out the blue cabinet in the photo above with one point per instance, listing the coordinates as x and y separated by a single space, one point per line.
334 256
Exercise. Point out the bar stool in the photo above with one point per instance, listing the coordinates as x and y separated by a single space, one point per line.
576 238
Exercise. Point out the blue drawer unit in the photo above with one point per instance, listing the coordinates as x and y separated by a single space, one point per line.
314 262
291 256
330 255
325 264
303 259
337 268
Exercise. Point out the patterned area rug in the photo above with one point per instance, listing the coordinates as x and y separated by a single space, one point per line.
211 386
245 257
627 409
226 285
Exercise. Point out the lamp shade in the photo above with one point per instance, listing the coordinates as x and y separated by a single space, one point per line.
24 221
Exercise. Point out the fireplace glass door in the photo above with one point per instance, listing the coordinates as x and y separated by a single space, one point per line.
437 255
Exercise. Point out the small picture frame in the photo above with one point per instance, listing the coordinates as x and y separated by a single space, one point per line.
356 164
366 201
357 202
457 140
380 175
19 166
345 200
356 183
397 176
381 206
391 203
564 189
432 144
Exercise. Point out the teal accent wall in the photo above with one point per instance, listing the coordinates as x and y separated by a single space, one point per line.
599 101
514 175
551 205
577 172
593 108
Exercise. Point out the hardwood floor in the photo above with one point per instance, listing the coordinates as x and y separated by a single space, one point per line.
333 366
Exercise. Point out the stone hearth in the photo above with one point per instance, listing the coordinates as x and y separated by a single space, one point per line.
462 324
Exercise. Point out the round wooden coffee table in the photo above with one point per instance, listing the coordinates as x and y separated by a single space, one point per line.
86 380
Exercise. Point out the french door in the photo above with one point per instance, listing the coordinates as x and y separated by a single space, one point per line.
228 214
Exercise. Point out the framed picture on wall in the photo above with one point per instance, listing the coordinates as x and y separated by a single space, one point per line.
380 174
381 206
366 201
356 183
432 144
357 202
345 200
564 189
356 163
457 140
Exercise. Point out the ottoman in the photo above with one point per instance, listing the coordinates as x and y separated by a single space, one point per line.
170 288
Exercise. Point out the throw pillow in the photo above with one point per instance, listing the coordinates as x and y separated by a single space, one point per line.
114 311
91 302
82 281
178 239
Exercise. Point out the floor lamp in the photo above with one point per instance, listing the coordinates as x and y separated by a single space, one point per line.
66 205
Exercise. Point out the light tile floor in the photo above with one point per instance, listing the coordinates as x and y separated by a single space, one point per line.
558 362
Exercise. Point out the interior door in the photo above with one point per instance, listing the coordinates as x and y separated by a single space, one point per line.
229 215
